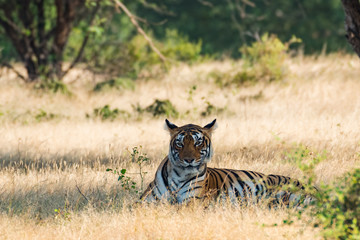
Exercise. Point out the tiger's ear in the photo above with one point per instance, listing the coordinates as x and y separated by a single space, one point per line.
170 126
211 126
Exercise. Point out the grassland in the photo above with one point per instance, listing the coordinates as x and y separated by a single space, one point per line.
53 159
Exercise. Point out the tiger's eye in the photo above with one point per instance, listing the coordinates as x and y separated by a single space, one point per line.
178 144
199 142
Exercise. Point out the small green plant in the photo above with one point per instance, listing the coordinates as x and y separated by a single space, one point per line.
63 214
140 158
44 116
106 113
191 92
53 85
126 182
211 110
115 83
162 107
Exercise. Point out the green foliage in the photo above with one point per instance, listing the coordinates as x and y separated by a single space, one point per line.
178 47
106 113
337 209
44 116
306 160
139 158
62 214
52 85
264 60
224 26
116 83
191 92
128 183
174 46
211 110
199 20
162 107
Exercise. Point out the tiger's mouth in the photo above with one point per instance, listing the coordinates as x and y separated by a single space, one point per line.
195 163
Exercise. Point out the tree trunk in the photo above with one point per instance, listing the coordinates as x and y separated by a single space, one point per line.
30 39
352 23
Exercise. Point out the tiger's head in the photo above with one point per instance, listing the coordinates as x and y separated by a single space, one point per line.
190 145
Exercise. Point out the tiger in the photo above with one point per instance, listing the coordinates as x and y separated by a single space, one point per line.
183 175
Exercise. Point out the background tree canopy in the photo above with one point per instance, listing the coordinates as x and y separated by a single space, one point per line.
221 26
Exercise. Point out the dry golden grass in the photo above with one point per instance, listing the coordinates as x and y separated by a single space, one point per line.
61 163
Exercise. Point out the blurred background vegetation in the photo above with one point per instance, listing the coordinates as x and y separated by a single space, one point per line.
183 30
222 27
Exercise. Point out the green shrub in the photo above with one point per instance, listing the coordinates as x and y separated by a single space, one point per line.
106 113
211 110
264 60
178 47
44 116
174 46
53 85
115 83
337 209
162 107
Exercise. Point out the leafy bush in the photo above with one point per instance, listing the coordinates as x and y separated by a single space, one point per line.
178 47
106 113
162 107
337 209
44 116
117 83
264 60
211 109
123 61
52 85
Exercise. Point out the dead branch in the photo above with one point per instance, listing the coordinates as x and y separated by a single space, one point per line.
140 30
14 70
81 193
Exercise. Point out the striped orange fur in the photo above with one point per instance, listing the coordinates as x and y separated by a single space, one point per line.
183 175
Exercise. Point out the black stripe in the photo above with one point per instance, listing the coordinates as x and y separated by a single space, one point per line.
195 177
164 174
248 174
177 174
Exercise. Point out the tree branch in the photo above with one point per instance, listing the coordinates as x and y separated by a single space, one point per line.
81 192
140 30
14 70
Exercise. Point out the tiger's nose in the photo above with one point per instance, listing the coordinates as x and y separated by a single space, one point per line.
189 160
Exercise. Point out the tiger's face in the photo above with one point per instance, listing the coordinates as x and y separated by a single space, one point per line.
190 145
